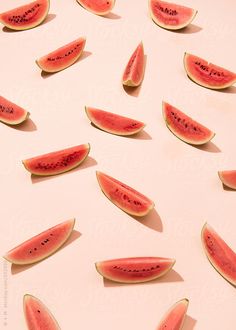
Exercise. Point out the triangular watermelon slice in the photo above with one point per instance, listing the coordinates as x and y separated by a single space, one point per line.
174 318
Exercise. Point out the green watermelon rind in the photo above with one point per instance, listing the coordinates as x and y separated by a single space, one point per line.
224 275
46 255
16 28
171 27
99 13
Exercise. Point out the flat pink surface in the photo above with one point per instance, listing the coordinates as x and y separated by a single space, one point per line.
181 179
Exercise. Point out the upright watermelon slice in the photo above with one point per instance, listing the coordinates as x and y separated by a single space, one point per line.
184 127
134 70
129 200
27 16
134 270
10 113
113 123
62 57
98 7
37 315
174 318
207 74
42 245
170 15
58 161
220 255
228 178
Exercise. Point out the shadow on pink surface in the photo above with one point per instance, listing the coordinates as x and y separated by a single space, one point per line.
87 163
84 55
191 28
229 90
209 147
226 188
189 323
152 220
15 269
112 16
171 276
134 91
26 126
49 18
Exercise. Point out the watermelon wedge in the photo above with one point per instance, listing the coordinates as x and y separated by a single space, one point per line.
134 270
42 245
184 127
57 162
134 71
220 255
174 318
27 16
228 178
207 74
10 113
37 315
113 123
62 57
170 15
126 198
97 7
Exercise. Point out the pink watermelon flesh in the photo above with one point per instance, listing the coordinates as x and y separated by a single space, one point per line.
134 70
170 15
134 270
184 127
27 16
174 319
41 246
63 57
123 196
58 161
113 123
10 113
207 74
37 315
220 255
98 7
228 178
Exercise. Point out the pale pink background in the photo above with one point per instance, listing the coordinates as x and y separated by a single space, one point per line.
181 179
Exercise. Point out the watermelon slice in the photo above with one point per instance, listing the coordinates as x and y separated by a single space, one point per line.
27 16
123 196
63 57
10 113
98 7
170 15
41 246
184 127
174 318
134 270
220 255
58 161
37 315
113 123
134 70
207 74
228 178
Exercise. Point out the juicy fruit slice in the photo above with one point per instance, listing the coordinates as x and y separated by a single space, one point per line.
207 74
134 70
170 15
58 161
220 255
228 178
113 123
134 270
123 196
37 314
42 245
63 57
184 127
27 16
10 113
174 318
98 7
